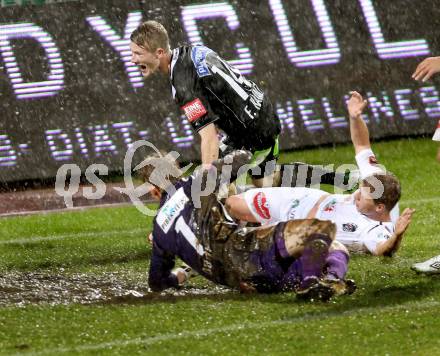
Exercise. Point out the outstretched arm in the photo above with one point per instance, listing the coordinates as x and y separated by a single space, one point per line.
427 68
358 128
390 246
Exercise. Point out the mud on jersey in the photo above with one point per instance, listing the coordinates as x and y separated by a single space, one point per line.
200 237
179 229
209 241
209 90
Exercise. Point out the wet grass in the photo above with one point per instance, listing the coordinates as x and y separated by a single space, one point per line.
394 311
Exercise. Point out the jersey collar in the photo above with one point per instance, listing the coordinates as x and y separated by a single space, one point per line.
175 56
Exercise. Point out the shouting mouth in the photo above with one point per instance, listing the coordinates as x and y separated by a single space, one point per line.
144 69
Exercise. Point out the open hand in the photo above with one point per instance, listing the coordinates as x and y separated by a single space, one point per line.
356 104
427 68
403 221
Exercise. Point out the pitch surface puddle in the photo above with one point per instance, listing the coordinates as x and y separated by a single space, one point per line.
25 288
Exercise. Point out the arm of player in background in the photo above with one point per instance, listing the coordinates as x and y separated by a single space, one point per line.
427 68
209 144
390 246
358 128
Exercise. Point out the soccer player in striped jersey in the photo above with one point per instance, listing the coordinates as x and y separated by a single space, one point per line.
218 101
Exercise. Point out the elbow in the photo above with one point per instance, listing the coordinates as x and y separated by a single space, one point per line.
237 208
382 252
231 205
155 285
162 281
388 254
155 289
378 251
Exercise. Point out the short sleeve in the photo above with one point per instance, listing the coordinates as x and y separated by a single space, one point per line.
368 164
375 236
198 112
268 205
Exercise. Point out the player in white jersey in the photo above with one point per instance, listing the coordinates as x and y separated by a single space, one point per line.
363 219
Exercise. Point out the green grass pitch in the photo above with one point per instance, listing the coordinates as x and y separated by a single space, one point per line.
393 312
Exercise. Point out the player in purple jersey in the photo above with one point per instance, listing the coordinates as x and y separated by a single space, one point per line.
289 256
217 99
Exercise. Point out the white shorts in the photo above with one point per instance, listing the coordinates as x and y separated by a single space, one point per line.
272 205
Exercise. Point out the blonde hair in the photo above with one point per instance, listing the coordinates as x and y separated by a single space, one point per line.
151 35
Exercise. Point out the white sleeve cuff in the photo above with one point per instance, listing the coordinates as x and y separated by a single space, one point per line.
367 163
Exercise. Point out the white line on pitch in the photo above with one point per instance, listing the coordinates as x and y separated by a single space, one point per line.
71 235
420 201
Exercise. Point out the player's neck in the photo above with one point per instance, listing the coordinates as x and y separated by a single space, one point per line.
382 217
165 65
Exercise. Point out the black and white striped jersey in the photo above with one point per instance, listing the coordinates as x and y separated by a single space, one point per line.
209 90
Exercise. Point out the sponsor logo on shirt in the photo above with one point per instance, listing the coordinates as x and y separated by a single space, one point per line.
382 235
349 227
194 110
295 203
198 56
292 211
260 204
171 210
330 206
373 160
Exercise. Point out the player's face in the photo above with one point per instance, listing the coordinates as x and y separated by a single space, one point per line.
364 202
147 61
